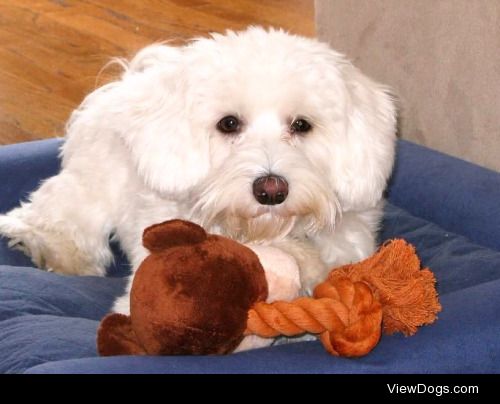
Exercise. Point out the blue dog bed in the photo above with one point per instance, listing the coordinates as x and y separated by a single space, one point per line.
449 209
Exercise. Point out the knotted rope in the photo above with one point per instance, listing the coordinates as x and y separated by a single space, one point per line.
350 308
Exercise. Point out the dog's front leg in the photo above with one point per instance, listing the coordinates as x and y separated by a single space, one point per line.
312 269
64 227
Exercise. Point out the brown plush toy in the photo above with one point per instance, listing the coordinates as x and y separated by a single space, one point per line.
190 296
201 294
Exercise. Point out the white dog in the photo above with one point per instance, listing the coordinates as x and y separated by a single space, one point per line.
260 135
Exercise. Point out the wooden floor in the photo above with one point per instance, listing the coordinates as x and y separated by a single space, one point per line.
51 51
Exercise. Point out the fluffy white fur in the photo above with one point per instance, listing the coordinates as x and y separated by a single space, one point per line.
145 149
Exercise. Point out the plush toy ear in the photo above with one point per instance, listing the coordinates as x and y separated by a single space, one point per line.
115 336
171 233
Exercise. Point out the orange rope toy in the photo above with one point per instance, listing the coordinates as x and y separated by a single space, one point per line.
387 292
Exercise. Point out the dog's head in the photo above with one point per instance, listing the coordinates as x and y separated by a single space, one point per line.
259 129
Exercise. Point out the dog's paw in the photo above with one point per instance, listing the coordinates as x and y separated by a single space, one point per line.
12 227
21 237
18 244
48 249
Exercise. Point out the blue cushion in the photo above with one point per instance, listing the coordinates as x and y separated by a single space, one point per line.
50 320
448 208
23 166
458 196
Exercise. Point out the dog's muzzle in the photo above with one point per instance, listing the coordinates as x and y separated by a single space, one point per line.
270 190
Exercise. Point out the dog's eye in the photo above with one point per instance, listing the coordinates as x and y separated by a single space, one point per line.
229 124
300 126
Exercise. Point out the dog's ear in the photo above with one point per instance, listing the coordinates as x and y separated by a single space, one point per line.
155 121
363 152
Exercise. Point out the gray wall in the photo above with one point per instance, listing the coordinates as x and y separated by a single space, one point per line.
442 59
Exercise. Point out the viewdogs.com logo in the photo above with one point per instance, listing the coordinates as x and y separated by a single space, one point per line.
438 391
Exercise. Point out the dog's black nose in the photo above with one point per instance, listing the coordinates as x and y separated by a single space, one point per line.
270 190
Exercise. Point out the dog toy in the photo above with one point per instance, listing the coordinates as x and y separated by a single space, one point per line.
387 292
192 294
198 293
